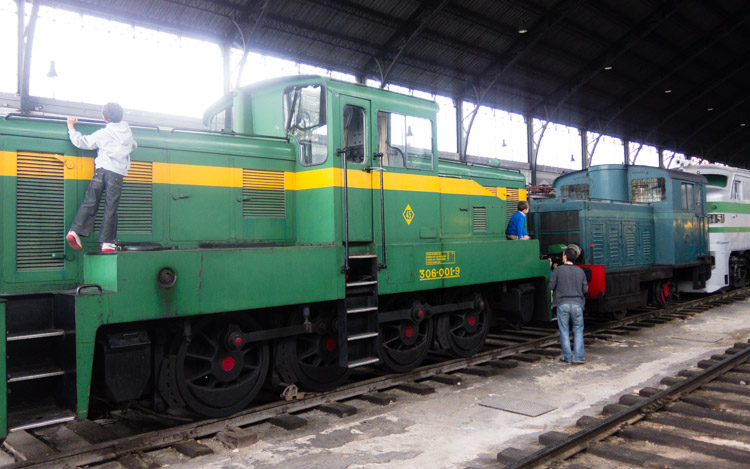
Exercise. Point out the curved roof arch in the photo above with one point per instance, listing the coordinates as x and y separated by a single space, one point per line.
672 74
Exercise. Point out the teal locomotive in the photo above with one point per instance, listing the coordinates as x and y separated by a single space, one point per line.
320 234
641 231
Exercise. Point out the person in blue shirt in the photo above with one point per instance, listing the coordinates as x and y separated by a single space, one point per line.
517 224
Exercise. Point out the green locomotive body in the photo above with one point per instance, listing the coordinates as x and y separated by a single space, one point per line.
321 234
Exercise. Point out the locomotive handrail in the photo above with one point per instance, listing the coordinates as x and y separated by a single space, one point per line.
379 156
82 121
88 285
345 269
221 132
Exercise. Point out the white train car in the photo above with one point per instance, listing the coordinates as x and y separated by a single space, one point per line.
728 212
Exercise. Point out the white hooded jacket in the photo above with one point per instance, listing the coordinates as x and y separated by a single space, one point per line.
114 142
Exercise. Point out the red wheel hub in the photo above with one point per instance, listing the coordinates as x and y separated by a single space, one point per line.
227 363
409 331
330 345
471 320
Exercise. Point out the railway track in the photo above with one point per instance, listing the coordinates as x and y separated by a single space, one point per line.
700 420
505 348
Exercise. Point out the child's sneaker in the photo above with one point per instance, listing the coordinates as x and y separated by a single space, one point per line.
73 240
108 247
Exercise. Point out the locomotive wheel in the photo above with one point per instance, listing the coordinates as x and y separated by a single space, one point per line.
662 291
216 378
312 360
463 332
619 314
404 344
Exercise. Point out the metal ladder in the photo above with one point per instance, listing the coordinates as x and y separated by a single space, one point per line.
40 360
358 314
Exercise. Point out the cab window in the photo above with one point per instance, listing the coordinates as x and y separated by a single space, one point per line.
405 141
648 190
575 191
354 134
305 121
688 196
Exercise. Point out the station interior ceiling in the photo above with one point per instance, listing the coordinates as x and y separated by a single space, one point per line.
673 74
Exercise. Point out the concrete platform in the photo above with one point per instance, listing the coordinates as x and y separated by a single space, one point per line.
449 429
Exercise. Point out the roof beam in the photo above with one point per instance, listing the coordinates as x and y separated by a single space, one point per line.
523 45
717 80
690 53
702 124
409 30
608 57
516 51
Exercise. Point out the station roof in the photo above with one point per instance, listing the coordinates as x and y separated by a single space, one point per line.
672 74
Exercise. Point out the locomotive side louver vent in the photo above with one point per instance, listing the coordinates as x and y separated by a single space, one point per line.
646 244
479 220
263 194
597 238
40 229
511 200
613 243
135 213
630 241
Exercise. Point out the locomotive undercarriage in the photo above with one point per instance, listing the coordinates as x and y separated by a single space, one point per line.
739 268
215 365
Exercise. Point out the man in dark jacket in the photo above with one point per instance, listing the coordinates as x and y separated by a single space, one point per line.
568 285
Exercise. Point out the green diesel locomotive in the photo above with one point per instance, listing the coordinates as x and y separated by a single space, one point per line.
321 234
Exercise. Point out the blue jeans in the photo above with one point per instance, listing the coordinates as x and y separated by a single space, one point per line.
564 313
104 182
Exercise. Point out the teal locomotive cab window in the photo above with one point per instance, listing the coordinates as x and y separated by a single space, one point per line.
575 191
305 121
405 141
648 190
688 196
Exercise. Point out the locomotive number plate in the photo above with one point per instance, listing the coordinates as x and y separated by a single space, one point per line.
716 218
444 272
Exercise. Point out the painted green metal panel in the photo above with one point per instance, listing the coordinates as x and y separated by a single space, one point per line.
215 280
3 373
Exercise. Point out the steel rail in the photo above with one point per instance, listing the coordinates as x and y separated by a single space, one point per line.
101 452
580 440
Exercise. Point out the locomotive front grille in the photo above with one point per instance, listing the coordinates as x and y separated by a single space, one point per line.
40 198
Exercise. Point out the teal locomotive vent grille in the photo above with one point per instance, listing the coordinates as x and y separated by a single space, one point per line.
646 246
263 194
597 238
135 213
479 220
40 229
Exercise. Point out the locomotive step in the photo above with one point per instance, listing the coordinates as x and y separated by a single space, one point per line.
35 334
361 284
363 362
34 373
361 310
363 255
365 335
34 417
